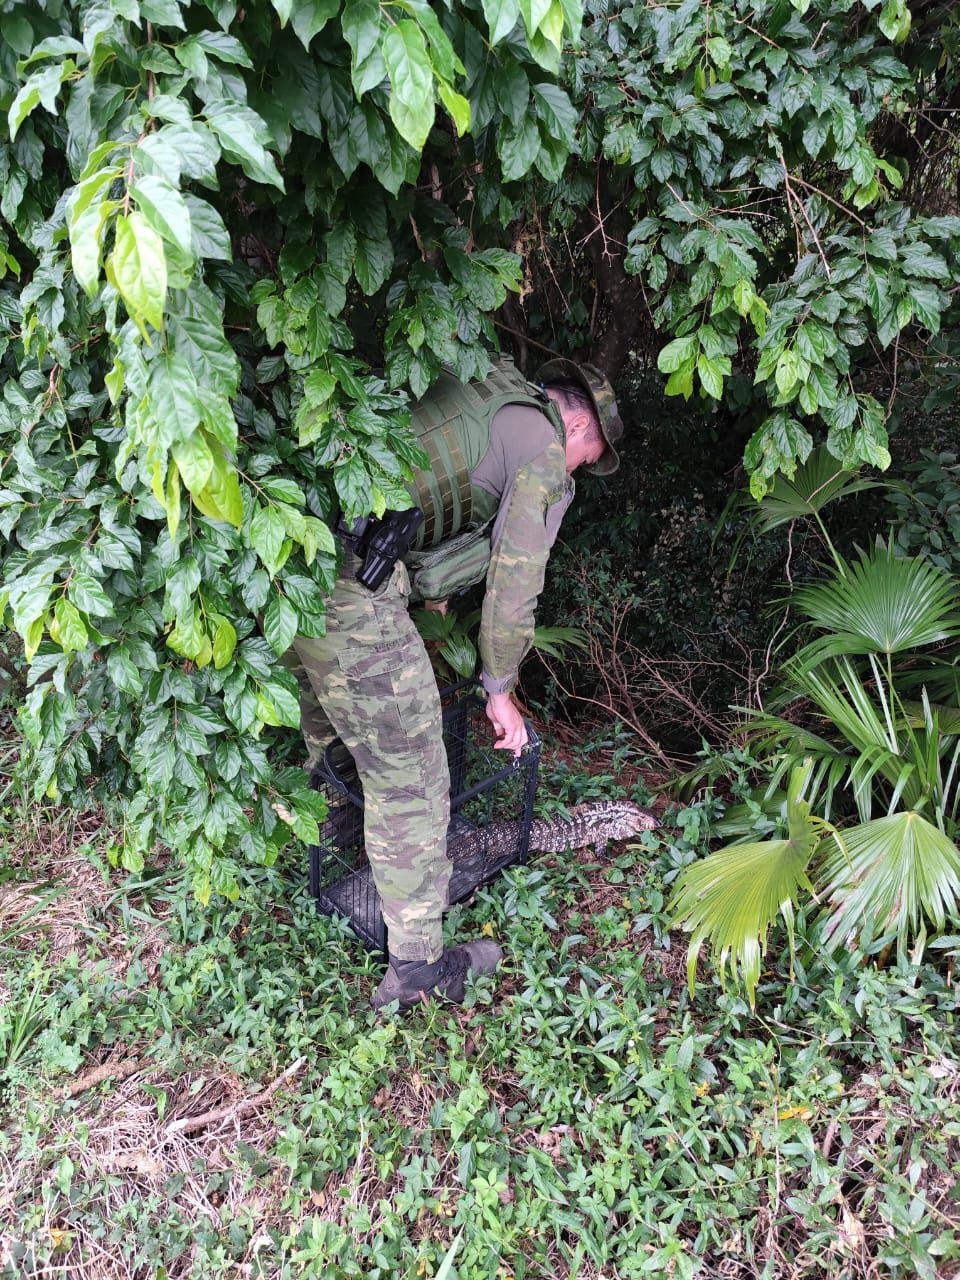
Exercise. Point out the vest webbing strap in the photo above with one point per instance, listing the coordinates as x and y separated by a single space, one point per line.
463 476
444 492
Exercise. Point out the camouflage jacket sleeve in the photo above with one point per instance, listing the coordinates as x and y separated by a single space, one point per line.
526 525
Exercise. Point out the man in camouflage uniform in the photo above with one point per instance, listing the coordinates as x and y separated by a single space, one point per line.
502 453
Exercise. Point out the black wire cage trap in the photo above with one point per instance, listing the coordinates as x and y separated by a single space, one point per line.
491 809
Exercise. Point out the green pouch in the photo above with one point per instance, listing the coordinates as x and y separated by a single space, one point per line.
458 563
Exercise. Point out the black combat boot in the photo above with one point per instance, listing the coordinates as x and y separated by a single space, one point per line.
414 981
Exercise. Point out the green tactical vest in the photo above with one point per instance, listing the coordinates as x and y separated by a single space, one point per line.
452 425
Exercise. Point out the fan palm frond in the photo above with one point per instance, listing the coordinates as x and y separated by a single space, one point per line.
818 481
733 896
894 873
555 641
878 603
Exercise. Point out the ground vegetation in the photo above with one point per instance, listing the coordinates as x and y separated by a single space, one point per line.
203 1095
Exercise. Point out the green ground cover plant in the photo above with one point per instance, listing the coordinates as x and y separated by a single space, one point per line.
589 1120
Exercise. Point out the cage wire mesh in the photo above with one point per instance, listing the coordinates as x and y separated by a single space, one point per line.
491 809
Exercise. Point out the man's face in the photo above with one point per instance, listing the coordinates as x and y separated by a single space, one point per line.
581 450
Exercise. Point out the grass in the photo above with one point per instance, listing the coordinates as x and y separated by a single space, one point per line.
584 1118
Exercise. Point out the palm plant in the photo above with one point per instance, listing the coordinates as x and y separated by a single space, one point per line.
802 496
864 745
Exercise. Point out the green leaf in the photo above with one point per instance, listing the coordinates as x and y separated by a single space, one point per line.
711 375
174 397
137 269
720 51
307 17
90 596
280 624
788 372
71 631
341 244
221 499
444 60
210 238
866 604
224 642
919 260
318 387
411 82
242 135
223 47
89 189
732 897
816 482
927 304
190 149
372 262
189 53
219 421
556 111
502 16
895 20
282 703
353 486
41 87
778 445
31 605
196 333
165 210
815 135
194 459
677 353
123 673
86 232
533 13
680 382
267 536
457 106
283 489
316 537
362 25
890 874
310 422
518 146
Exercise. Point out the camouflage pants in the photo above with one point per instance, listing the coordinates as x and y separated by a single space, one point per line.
371 679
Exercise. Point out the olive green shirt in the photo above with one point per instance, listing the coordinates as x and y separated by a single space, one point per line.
524 469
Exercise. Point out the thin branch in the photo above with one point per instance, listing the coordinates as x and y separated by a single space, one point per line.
793 197
189 1124
629 721
106 1071
419 242
842 207
523 337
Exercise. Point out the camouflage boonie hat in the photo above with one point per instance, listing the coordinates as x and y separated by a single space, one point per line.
598 388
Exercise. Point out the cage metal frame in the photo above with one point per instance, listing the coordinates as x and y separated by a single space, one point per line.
354 896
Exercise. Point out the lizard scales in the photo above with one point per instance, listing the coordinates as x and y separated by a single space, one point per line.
477 853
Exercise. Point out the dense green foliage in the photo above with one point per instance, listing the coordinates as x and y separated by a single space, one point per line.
197 366
235 241
588 1119
860 730
768 182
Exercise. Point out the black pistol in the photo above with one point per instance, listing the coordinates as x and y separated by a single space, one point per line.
379 542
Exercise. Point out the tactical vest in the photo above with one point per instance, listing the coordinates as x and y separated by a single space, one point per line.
452 425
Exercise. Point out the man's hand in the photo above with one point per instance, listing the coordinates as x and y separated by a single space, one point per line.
508 722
